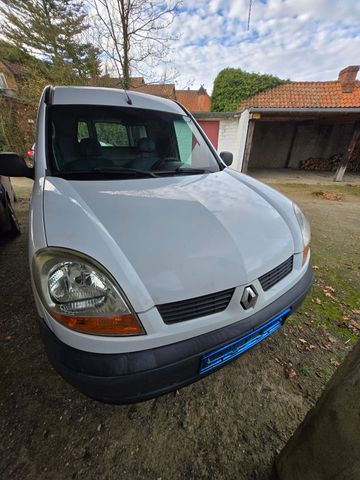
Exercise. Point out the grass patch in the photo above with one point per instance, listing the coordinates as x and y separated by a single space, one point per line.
305 371
335 254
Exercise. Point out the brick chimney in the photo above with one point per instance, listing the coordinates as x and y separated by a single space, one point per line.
347 78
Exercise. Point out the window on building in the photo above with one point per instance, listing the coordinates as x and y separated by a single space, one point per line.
3 82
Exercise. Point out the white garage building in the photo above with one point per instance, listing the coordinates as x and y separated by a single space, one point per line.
284 126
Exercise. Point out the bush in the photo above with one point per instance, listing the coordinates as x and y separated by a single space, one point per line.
233 85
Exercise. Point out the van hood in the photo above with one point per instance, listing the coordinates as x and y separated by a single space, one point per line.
177 237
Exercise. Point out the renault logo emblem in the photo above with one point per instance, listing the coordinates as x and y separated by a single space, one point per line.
249 297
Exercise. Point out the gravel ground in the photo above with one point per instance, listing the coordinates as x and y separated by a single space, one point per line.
291 175
230 425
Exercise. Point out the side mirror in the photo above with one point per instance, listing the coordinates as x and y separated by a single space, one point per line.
227 158
13 165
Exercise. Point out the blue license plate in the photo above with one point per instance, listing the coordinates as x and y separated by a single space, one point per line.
235 349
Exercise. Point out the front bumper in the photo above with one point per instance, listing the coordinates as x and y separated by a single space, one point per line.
136 376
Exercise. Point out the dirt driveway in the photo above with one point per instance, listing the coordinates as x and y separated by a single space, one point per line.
230 425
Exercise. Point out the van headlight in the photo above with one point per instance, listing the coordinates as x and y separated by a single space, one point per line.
81 295
305 230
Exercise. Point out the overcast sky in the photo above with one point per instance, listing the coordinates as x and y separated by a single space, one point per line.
296 39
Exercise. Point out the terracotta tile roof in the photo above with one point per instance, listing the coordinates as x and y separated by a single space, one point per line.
306 95
166 90
194 100
137 81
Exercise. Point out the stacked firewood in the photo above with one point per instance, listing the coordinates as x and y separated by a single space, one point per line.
321 164
331 164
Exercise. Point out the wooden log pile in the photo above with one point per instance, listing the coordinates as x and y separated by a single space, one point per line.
321 164
331 164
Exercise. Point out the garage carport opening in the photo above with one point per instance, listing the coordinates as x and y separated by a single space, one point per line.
303 139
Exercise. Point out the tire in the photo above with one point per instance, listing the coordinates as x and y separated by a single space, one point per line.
14 224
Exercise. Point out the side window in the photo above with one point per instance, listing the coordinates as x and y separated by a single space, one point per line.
191 144
82 130
112 134
184 136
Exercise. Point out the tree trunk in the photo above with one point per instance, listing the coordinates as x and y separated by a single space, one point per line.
126 47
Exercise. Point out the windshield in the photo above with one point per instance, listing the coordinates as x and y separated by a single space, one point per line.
97 140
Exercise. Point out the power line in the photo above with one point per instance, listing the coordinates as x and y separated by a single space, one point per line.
249 16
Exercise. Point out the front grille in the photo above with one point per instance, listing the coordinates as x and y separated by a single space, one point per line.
195 307
276 274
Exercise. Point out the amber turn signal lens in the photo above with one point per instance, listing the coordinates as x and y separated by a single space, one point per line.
121 324
305 253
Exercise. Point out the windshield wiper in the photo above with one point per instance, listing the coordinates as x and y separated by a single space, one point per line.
184 170
192 170
114 171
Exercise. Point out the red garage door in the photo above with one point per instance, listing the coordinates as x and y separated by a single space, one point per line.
211 128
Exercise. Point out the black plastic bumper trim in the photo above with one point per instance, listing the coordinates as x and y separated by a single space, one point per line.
136 376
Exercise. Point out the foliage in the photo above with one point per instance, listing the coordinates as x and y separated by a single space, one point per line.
52 30
45 38
31 87
233 85
16 134
4 140
52 40
13 54
10 140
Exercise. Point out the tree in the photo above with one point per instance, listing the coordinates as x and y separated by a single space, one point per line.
12 54
233 85
51 29
134 33
16 133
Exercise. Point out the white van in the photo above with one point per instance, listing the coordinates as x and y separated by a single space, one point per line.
153 264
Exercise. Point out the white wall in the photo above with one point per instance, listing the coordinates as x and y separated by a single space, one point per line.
241 137
232 137
227 135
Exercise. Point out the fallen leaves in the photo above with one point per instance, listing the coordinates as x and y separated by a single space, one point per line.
307 346
354 327
333 196
291 373
329 291
328 343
